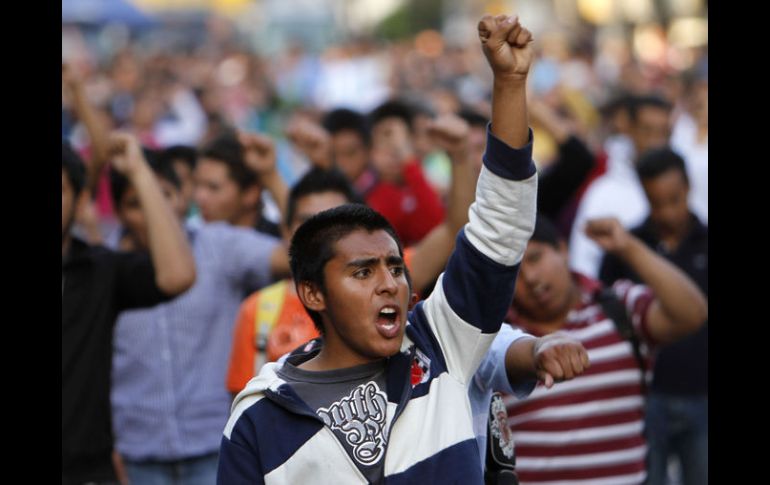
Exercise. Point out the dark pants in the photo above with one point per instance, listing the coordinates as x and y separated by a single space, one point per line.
677 426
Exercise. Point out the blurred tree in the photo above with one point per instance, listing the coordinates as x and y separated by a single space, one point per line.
410 18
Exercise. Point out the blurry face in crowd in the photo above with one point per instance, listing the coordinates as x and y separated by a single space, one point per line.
423 143
391 145
667 194
309 205
67 204
218 196
131 214
651 129
187 182
544 289
350 153
145 112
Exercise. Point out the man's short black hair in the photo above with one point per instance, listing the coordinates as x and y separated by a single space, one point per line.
228 150
621 100
390 109
645 101
316 181
657 161
186 154
73 167
546 232
162 168
342 119
312 246
473 117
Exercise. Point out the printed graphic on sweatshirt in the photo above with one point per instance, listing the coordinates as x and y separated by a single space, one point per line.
360 417
420 368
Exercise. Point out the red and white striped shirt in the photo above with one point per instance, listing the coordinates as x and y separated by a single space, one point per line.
588 430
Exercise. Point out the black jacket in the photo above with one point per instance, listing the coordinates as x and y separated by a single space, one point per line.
97 284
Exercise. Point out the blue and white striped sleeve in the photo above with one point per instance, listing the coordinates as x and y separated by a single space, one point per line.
470 300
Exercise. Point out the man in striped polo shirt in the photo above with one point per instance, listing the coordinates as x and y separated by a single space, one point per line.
590 430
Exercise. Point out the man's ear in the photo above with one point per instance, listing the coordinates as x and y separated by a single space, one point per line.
250 196
311 296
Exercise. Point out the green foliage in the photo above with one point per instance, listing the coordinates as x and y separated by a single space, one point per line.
410 18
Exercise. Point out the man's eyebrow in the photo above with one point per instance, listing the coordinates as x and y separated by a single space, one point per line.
366 262
394 260
362 263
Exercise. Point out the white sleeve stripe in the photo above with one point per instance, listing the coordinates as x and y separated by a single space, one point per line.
583 461
585 435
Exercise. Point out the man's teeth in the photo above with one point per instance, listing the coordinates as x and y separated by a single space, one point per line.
387 311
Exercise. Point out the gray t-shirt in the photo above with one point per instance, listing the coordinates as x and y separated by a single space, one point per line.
353 404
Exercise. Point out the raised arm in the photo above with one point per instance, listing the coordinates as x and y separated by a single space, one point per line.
259 155
450 132
97 132
312 140
471 298
679 307
506 44
169 249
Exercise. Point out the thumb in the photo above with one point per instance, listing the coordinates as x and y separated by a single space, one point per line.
546 378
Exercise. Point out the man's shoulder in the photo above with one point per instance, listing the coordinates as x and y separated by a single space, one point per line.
221 232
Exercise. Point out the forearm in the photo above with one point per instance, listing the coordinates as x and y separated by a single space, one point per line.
97 133
520 360
278 189
431 254
679 297
169 249
462 192
509 111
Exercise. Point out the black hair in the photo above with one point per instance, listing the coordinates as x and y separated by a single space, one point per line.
342 119
546 232
162 168
312 246
73 167
657 161
392 108
473 117
228 150
649 100
621 100
318 180
186 154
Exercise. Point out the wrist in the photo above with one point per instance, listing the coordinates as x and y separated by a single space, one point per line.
630 249
139 173
509 82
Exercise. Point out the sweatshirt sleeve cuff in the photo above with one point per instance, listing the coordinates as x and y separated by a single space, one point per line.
508 162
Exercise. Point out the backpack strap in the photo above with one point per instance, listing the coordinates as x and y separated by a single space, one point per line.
616 311
269 306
